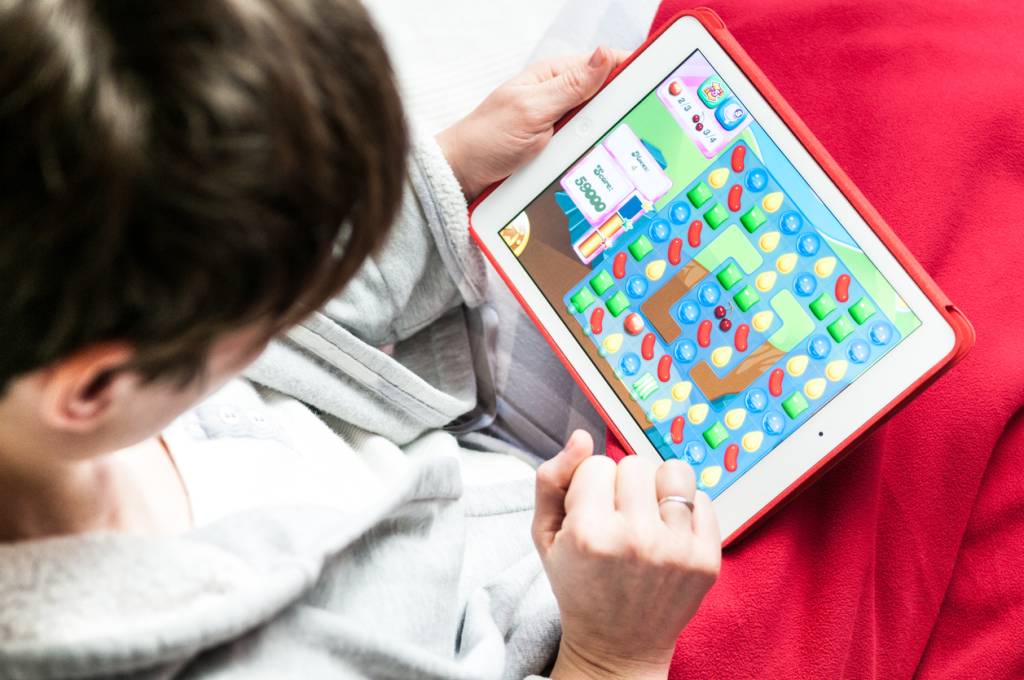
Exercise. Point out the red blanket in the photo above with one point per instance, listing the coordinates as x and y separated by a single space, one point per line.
907 559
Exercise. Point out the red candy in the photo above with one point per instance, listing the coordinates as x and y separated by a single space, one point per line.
735 194
675 251
843 287
693 235
719 312
619 265
634 324
740 340
725 325
674 88
677 430
596 320
732 453
647 347
700 126
738 154
775 382
665 368
704 333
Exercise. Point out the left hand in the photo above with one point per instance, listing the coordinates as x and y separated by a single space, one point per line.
516 121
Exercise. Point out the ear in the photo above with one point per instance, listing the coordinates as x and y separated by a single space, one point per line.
79 391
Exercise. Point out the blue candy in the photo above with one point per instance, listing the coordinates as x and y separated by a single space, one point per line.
660 231
680 212
757 180
819 347
805 284
689 312
881 333
636 286
773 422
708 294
757 400
685 351
808 244
791 222
629 364
859 351
695 453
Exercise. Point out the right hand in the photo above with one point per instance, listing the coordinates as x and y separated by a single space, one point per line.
628 574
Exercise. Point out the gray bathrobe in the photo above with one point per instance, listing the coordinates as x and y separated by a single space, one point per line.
432 581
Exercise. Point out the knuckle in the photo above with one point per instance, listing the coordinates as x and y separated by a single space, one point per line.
597 462
679 471
593 544
533 114
637 463
706 567
639 546
573 82
547 474
590 537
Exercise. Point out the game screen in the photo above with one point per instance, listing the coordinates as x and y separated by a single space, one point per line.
711 287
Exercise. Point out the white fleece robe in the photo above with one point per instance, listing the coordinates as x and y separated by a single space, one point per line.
368 557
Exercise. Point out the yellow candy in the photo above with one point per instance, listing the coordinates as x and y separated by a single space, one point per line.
797 365
681 391
660 409
836 370
772 201
825 266
721 355
734 418
718 177
762 320
612 343
655 270
769 241
786 263
697 413
765 281
752 441
710 475
815 388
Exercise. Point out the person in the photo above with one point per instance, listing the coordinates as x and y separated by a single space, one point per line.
182 184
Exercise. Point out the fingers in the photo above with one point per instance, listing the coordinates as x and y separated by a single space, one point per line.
553 480
675 478
592 492
705 522
635 488
552 68
572 84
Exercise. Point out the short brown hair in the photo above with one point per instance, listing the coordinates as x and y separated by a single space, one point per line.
170 171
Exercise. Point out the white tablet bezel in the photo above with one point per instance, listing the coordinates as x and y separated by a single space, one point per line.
846 413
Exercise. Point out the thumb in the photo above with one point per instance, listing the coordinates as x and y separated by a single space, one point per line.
553 479
575 84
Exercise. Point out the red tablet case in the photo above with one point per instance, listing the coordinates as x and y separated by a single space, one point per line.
961 326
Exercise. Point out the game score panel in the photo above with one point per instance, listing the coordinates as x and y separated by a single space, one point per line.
725 313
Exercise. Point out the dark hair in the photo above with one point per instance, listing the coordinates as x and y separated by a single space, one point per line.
170 171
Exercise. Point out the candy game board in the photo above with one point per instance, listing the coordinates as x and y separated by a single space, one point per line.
709 284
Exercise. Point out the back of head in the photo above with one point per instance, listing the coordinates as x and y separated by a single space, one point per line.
173 170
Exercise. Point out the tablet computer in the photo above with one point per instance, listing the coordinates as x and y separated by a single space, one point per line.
713 281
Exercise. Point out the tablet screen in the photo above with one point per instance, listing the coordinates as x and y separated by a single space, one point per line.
714 291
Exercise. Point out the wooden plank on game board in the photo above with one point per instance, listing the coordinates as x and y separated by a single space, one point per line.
796 326
658 307
550 260
738 379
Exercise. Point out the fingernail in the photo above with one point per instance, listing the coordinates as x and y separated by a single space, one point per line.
597 59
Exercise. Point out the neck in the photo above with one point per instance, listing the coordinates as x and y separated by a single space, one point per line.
126 490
